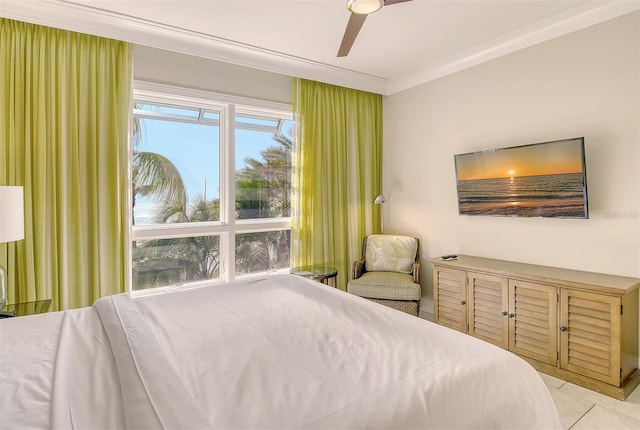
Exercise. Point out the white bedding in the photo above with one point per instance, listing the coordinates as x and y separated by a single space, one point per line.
279 352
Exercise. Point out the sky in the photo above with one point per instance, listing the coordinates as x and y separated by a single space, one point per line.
530 160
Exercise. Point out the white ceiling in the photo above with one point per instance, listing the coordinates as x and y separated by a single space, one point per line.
400 46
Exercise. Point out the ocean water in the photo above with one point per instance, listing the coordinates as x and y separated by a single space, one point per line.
561 195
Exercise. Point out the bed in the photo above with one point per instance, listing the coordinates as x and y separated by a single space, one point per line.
277 352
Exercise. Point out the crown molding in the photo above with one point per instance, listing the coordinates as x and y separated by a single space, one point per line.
80 18
560 24
97 22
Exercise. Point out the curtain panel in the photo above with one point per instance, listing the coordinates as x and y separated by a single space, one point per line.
65 109
336 174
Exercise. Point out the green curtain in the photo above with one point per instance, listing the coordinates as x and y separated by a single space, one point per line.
336 174
65 109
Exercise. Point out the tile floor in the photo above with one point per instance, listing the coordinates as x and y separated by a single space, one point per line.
582 409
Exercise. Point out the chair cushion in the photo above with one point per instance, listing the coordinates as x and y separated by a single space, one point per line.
390 253
385 285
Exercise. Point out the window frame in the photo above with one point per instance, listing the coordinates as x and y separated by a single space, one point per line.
228 226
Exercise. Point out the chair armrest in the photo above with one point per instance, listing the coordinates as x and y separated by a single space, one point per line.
416 273
358 269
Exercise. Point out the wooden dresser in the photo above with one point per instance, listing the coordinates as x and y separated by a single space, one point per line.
578 326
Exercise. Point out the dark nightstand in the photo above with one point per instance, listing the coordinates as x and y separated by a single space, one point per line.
317 272
26 308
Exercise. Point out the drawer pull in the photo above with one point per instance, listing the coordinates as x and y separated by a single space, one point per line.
563 329
505 313
512 315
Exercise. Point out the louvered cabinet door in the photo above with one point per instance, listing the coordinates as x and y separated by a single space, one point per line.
488 306
450 298
590 335
533 321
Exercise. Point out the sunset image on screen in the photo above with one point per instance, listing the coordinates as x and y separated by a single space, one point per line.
540 180
532 160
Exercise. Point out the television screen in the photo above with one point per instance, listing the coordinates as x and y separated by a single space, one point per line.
539 180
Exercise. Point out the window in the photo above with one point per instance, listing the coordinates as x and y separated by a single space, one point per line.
211 188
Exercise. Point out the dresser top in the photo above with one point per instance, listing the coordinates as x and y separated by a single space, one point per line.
600 282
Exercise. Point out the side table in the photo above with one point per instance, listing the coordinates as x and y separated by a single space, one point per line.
26 308
317 272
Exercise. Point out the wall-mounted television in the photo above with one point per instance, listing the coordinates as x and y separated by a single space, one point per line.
546 179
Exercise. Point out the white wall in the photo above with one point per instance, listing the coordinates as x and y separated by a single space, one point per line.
171 68
583 84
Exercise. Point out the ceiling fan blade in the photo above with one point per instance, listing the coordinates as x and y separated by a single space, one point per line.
390 2
350 33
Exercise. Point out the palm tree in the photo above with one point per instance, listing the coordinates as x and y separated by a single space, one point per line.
263 187
177 260
154 175
263 190
163 262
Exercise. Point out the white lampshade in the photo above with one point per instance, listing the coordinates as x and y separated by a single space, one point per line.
11 214
363 7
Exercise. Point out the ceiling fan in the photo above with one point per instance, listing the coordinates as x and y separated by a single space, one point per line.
359 11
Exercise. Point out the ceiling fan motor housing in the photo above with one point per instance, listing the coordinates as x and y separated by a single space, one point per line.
364 7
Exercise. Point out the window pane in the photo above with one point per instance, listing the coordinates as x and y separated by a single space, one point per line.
211 117
167 110
263 173
262 251
257 123
163 262
175 170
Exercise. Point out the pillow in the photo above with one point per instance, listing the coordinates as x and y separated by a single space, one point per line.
390 253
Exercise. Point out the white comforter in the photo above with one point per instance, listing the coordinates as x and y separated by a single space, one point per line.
279 352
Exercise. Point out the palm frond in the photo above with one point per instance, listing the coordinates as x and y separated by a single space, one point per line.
155 175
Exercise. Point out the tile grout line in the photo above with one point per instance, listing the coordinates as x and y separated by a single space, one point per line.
583 415
616 412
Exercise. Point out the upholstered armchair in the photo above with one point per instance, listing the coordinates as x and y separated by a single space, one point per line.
388 272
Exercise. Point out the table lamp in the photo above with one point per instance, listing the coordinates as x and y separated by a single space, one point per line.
11 227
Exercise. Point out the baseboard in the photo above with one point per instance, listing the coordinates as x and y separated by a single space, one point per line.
426 309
